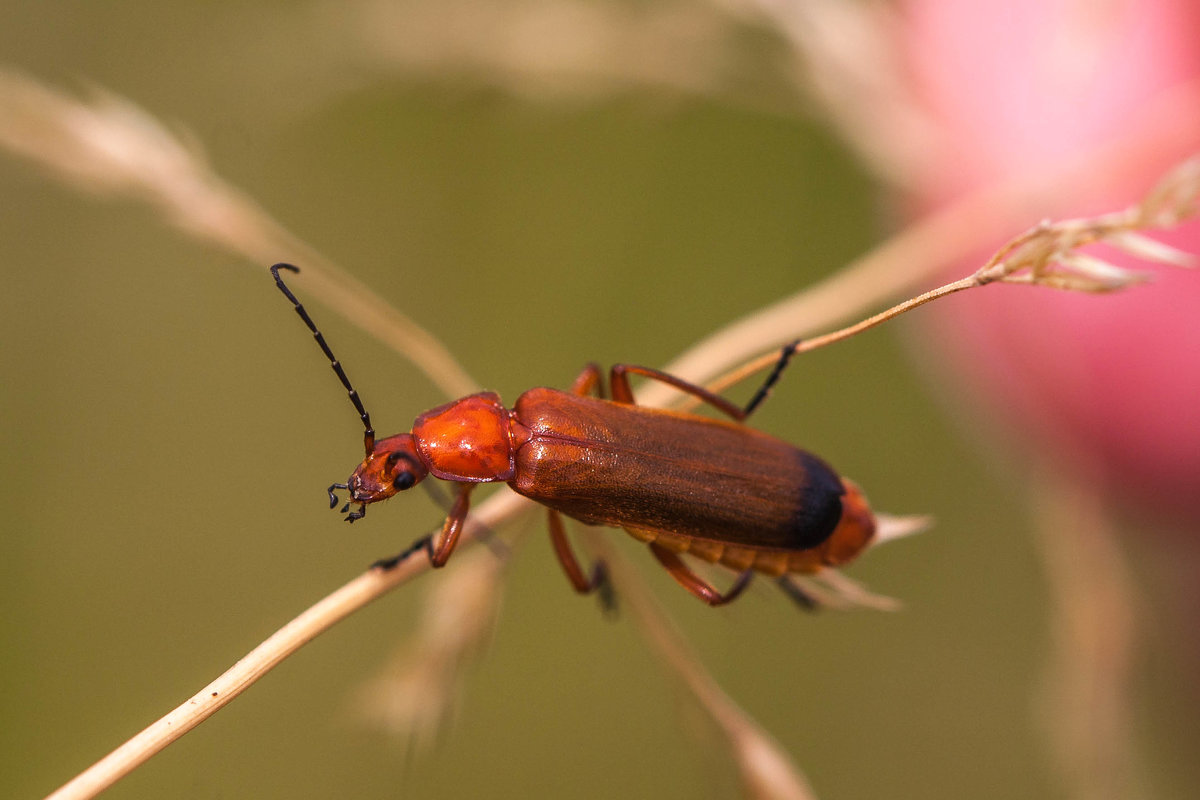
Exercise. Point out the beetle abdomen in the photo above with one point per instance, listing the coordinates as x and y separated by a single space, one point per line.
853 533
633 467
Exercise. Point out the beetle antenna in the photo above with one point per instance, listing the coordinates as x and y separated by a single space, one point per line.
764 391
369 436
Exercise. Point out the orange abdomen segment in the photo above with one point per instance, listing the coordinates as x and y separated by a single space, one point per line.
853 533
678 475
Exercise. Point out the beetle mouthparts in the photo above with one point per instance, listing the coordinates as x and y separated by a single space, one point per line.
351 516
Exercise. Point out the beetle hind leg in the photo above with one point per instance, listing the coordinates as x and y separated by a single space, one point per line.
699 587
797 594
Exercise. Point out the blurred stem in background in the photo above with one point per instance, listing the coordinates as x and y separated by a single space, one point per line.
1086 707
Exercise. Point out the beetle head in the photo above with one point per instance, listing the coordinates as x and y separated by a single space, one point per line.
391 466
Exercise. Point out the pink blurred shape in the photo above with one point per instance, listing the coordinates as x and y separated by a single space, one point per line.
1108 386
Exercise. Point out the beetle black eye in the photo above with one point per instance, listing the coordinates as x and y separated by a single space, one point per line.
405 480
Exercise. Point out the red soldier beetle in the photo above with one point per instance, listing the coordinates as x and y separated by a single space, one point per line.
682 483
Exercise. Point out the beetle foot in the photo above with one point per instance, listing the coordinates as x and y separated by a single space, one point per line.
606 593
386 564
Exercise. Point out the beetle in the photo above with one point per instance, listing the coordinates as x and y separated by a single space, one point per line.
683 483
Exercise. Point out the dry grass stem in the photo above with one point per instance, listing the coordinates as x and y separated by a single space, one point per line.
836 591
891 527
840 55
1047 255
553 51
766 770
110 146
323 615
832 589
1050 253
417 689
839 58
927 247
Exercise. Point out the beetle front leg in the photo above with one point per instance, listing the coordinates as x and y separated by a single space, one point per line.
694 583
442 546
392 562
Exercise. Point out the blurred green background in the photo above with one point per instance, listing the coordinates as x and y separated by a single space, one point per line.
168 429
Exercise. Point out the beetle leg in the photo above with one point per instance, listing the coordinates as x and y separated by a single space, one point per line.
392 562
694 583
426 542
797 594
588 381
764 391
566 556
484 534
622 393
441 547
